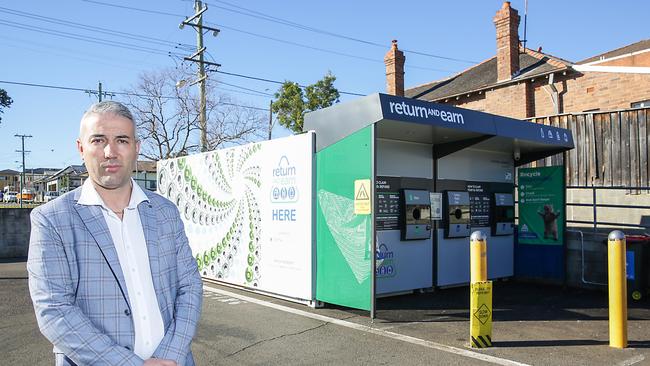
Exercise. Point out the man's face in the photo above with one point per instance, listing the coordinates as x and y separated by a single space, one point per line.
109 149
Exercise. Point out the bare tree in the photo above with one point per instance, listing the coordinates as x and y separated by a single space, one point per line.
231 123
167 115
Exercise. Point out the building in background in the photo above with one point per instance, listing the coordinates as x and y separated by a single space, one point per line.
9 178
145 174
524 83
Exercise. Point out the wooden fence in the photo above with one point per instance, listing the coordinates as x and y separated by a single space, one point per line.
611 148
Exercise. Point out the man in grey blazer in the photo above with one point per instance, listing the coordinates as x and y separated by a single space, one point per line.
111 273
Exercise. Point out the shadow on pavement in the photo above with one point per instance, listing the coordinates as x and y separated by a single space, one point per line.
512 301
551 343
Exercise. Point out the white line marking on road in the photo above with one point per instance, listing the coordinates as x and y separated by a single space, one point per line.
223 298
367 329
631 361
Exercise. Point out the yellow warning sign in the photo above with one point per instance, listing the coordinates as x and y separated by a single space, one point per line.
480 321
362 201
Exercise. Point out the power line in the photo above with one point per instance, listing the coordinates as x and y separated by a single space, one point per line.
321 49
260 15
131 8
273 81
251 13
90 39
114 93
243 88
94 28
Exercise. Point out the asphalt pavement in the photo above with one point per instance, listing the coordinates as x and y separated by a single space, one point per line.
533 324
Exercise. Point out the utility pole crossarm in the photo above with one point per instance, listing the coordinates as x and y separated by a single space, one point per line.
196 22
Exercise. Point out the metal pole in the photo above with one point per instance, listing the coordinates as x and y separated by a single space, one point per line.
480 299
270 118
478 257
202 112
593 200
100 91
617 289
22 175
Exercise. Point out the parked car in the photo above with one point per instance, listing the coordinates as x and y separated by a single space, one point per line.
50 196
11 196
26 196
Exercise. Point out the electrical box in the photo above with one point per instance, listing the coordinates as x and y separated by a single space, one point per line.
415 218
503 214
457 214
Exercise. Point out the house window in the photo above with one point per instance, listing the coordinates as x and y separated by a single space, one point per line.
641 104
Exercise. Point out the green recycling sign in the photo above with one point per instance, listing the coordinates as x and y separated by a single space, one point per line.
541 205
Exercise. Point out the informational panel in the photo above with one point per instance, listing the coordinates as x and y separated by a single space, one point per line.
539 252
247 212
541 205
387 214
479 204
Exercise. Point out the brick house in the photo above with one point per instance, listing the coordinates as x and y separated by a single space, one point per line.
522 83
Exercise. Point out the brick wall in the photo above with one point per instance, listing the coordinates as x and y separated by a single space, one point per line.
512 101
577 93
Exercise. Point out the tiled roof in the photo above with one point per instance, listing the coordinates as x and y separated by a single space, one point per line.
631 48
484 75
9 172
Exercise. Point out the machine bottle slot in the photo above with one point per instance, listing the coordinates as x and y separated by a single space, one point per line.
503 214
415 214
456 214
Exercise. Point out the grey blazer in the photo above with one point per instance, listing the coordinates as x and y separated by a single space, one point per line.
78 289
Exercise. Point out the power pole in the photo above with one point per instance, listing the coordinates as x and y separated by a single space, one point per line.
270 118
100 93
22 176
196 21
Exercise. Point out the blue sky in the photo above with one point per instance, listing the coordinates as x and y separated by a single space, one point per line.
461 30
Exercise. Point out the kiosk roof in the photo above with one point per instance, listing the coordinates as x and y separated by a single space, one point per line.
446 127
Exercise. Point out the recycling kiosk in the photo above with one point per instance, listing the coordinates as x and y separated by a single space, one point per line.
378 197
431 175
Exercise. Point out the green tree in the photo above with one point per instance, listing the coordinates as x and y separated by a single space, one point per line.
291 102
5 101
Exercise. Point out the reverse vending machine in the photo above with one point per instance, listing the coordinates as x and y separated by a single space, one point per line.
415 215
503 214
378 198
457 218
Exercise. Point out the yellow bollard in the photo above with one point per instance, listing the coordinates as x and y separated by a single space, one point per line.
617 283
480 304
478 257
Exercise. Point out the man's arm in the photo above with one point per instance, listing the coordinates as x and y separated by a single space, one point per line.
59 319
175 345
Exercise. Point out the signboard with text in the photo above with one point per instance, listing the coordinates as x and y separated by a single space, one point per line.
247 212
541 205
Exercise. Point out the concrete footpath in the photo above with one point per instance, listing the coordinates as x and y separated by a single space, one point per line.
533 324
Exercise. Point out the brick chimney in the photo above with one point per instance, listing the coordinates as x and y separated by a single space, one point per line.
394 61
507 23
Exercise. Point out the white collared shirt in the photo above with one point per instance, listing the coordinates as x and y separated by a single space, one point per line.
131 247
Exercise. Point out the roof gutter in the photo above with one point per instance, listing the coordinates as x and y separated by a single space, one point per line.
498 85
619 69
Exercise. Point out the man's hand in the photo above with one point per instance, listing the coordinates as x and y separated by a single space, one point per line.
159 362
